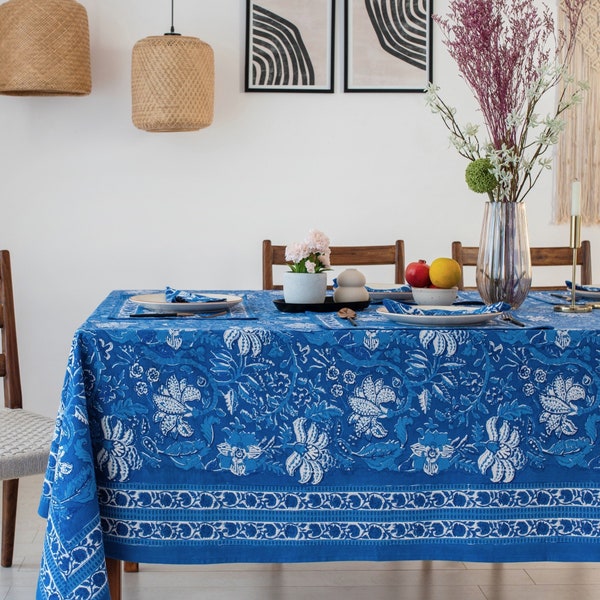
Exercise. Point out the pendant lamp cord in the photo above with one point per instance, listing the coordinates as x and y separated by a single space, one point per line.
172 32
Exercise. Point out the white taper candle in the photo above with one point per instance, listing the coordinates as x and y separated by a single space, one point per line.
576 198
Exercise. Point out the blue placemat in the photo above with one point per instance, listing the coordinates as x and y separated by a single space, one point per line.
237 311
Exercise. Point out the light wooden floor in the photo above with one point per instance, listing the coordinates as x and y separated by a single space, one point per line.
326 581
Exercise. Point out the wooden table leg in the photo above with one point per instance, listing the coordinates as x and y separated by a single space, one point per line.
113 568
131 567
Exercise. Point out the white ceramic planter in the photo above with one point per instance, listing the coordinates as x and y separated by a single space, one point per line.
304 288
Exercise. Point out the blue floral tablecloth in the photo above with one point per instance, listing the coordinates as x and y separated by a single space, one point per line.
263 436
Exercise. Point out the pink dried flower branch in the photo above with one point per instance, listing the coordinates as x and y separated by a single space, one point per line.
499 48
510 56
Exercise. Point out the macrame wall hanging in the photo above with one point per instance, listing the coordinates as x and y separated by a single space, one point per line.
578 149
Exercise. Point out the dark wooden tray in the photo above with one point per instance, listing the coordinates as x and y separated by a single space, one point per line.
328 306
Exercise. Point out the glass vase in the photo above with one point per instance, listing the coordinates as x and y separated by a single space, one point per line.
504 260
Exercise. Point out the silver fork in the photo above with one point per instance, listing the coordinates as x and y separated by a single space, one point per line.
506 316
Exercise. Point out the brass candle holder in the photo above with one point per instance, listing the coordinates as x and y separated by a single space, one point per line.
575 243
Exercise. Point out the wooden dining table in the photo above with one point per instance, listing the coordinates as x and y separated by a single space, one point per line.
251 434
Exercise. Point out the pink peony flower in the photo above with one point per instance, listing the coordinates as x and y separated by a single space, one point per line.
296 252
310 256
325 259
318 241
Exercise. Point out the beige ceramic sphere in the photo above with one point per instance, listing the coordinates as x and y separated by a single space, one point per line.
351 278
351 287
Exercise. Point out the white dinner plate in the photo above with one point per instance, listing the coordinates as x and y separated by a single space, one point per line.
158 303
379 291
464 316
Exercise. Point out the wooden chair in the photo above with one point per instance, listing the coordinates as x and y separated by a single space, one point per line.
552 256
347 256
24 436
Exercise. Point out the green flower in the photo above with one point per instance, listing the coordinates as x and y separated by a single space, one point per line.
480 177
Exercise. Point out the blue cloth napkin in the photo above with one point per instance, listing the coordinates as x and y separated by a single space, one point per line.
583 288
172 295
399 288
400 308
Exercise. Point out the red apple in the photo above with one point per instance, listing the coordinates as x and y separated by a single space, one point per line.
417 274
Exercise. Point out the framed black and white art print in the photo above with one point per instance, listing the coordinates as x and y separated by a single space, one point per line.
387 45
289 45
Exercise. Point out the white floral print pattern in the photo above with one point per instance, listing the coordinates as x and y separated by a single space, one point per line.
558 403
502 454
118 455
311 457
367 406
173 406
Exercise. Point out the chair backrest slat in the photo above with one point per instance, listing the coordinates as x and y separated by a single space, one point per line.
551 256
10 370
347 256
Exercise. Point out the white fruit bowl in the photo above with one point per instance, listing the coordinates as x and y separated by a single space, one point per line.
434 296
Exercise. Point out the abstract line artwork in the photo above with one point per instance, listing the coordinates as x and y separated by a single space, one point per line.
279 54
289 45
401 28
388 45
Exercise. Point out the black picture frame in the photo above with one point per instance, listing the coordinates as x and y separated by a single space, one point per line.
388 45
290 46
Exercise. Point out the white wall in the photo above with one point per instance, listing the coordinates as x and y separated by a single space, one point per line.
91 204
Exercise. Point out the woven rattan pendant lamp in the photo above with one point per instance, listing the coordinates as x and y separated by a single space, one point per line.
44 48
172 83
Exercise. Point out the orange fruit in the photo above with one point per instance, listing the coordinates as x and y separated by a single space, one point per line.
444 273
